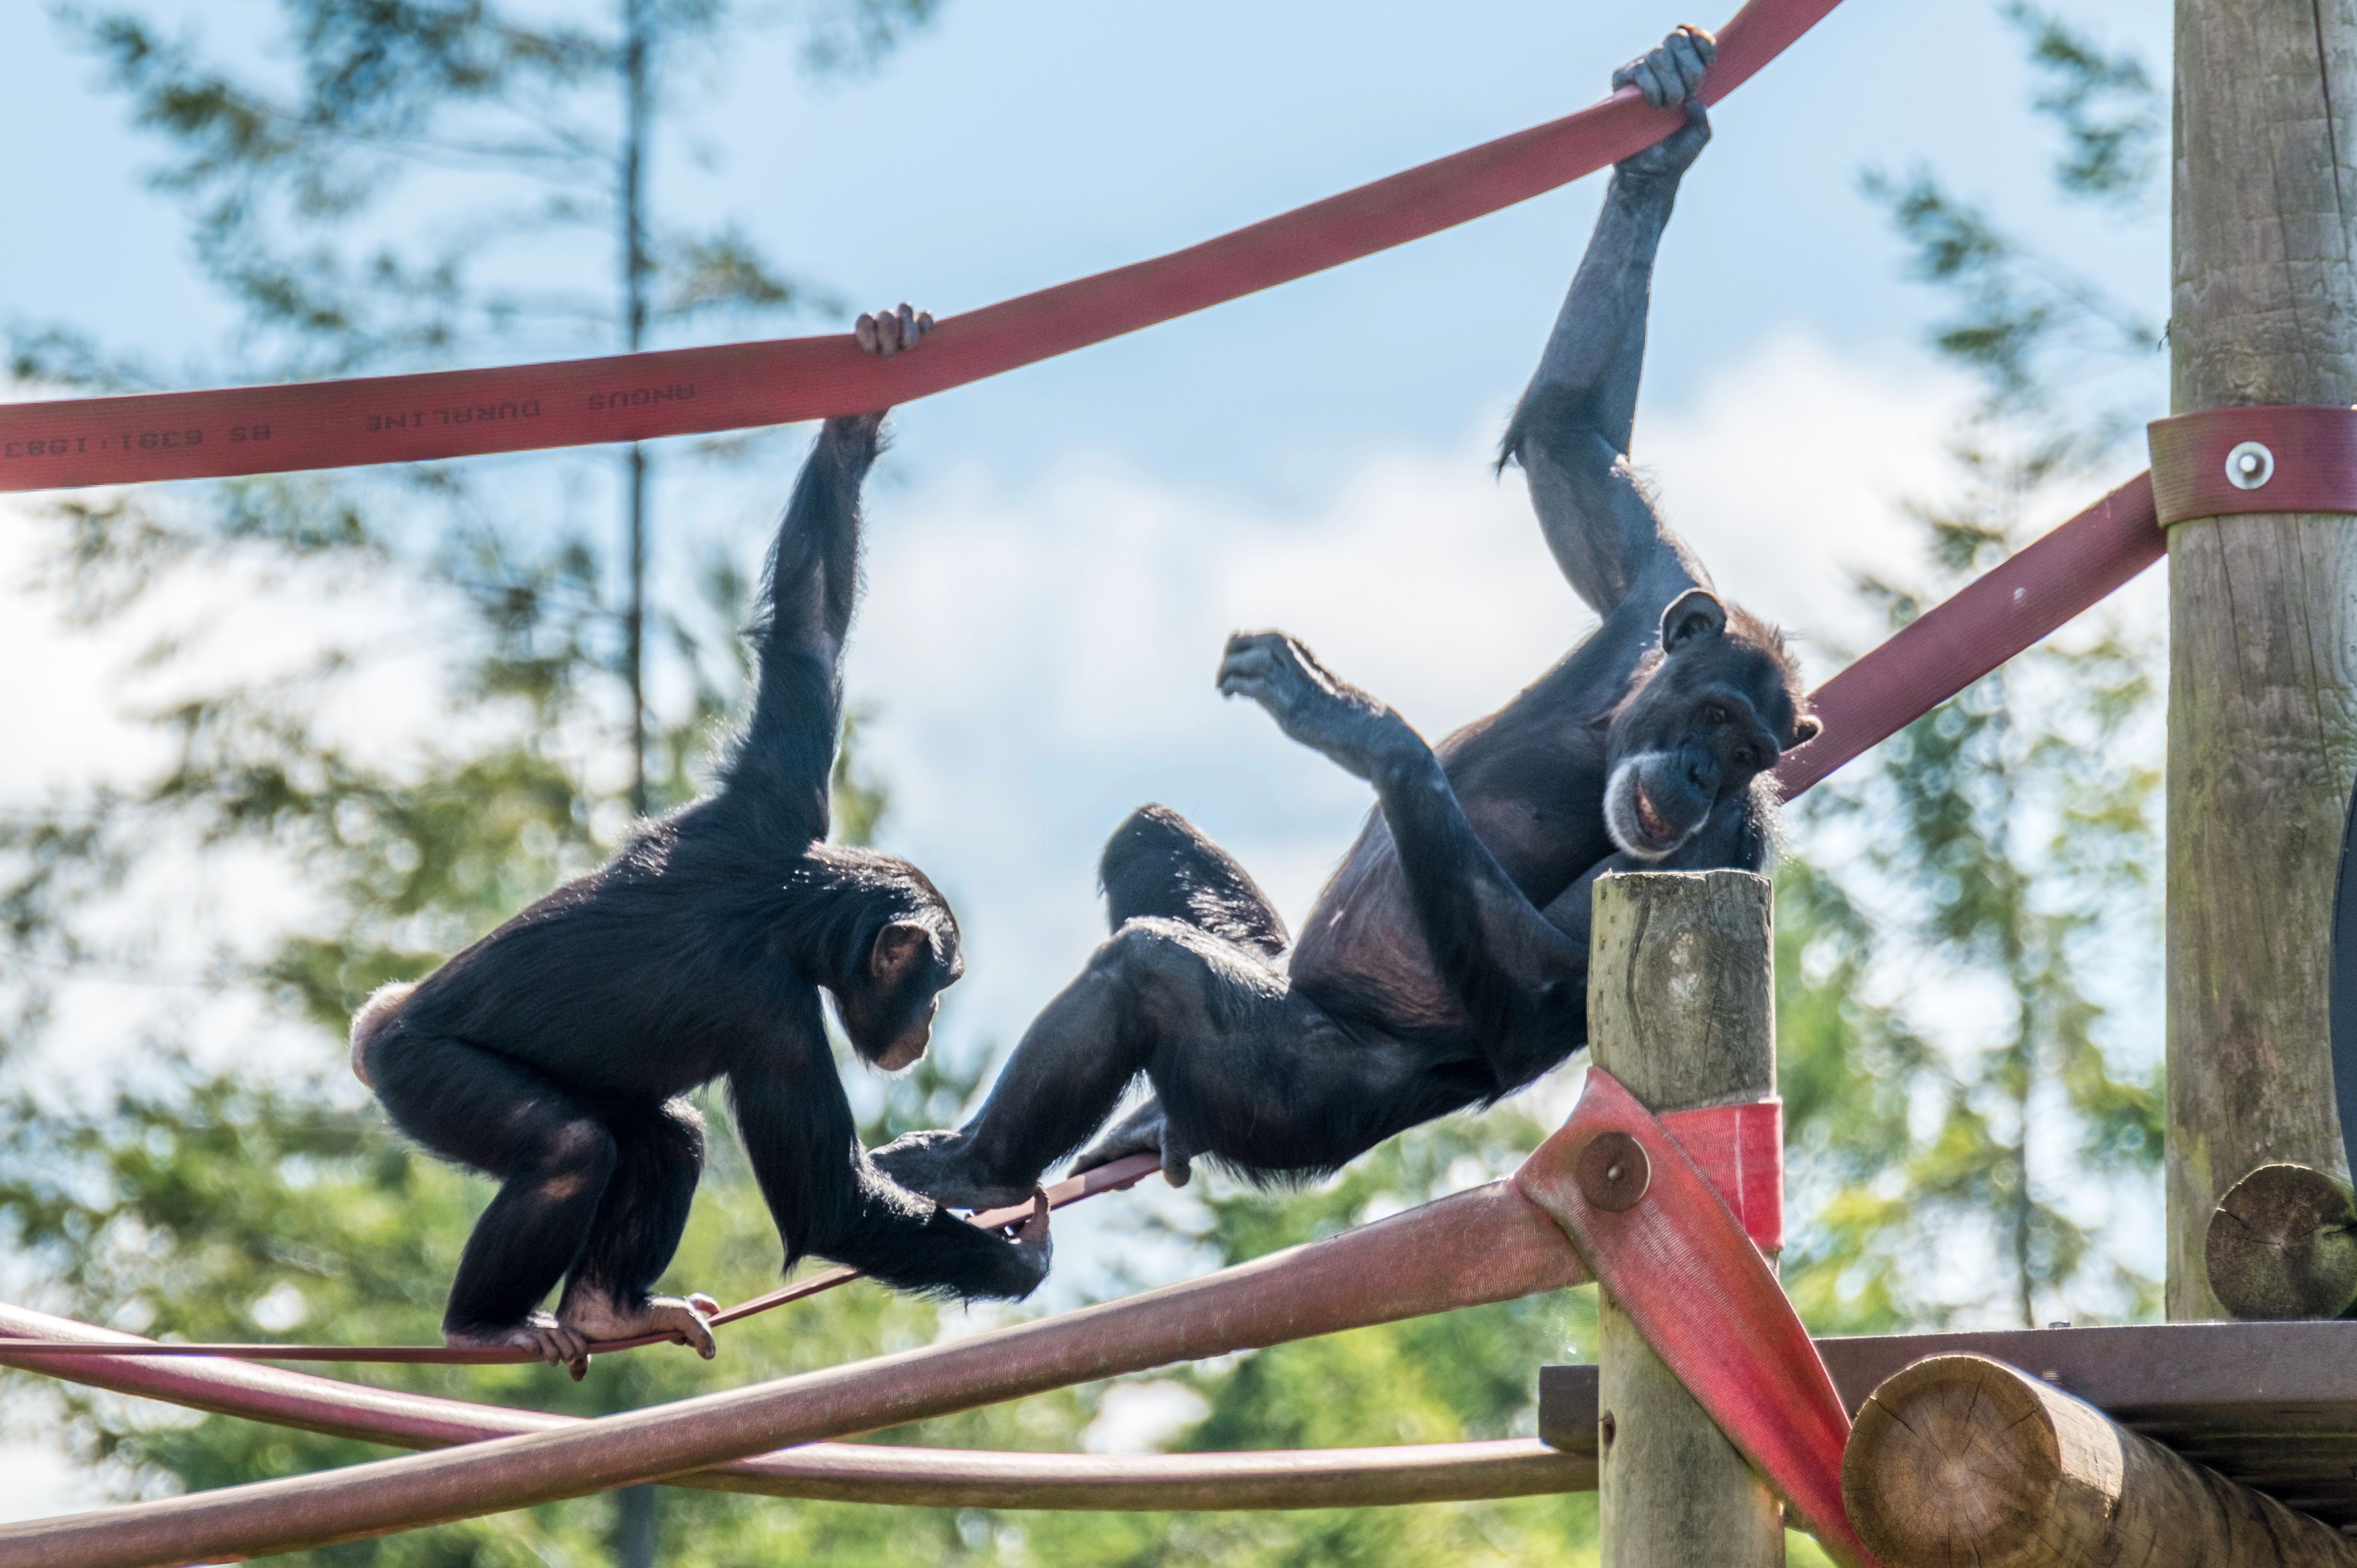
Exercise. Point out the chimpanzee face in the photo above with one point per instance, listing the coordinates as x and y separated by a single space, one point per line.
888 1010
1713 711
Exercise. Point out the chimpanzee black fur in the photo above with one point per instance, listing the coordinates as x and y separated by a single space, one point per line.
1445 963
552 1054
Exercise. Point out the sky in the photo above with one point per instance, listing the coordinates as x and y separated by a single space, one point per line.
1056 554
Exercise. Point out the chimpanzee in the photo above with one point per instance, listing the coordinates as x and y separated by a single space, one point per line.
554 1054
1445 963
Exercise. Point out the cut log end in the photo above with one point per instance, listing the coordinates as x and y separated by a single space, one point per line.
2282 1243
1949 1462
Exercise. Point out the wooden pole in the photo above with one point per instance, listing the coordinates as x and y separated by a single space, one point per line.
1960 1459
2263 610
1681 1009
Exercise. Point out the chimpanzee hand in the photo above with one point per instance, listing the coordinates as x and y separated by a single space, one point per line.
883 335
1669 77
888 332
1318 709
1032 1242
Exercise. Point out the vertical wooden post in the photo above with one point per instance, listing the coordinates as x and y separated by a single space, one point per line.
1681 1009
2263 610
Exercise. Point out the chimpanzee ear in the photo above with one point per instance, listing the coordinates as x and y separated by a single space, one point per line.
1693 614
897 946
1807 728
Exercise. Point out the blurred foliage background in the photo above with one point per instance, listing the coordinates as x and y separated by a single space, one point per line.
2000 859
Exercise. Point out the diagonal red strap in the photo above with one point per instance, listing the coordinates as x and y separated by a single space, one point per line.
1946 648
1679 1265
455 413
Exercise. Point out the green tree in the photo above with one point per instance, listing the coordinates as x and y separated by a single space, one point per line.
2003 850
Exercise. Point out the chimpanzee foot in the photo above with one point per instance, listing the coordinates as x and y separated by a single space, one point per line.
595 1315
939 1164
548 1340
1144 1131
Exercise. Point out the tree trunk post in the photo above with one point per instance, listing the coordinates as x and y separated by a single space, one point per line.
2262 609
1962 1459
1681 1010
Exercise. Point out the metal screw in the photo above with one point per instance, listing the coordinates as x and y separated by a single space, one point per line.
2249 466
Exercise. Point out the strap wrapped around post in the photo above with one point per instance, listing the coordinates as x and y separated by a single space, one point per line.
1664 1240
2225 462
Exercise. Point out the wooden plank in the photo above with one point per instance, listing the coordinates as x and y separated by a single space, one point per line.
1964 1459
2262 609
1681 1010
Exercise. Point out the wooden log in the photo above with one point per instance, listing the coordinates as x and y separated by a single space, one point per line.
2262 609
1681 1009
1960 1459
2283 1244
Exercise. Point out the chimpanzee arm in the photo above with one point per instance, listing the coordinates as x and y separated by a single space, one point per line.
788 750
1521 980
1571 431
828 1198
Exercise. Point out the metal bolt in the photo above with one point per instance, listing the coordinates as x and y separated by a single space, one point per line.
1613 1172
2249 466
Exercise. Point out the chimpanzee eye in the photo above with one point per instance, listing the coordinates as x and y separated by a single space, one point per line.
1715 713
1747 758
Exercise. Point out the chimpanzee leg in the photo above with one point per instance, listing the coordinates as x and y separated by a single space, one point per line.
1248 1069
1158 863
660 1158
553 1153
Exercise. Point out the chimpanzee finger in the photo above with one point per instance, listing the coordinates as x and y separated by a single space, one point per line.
908 325
1641 75
887 333
1684 60
579 1367
864 331
1704 44
924 322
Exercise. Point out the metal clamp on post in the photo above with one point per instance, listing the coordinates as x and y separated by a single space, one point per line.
2223 462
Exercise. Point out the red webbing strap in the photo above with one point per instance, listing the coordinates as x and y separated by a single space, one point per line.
1678 1262
2226 462
1946 648
1121 1174
631 397
1739 1149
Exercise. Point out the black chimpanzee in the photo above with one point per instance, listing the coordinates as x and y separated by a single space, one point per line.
1446 962
552 1054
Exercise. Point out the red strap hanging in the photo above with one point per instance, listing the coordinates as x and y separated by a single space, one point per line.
1659 1236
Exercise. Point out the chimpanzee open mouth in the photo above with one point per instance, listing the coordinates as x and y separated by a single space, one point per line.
1637 825
1649 818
